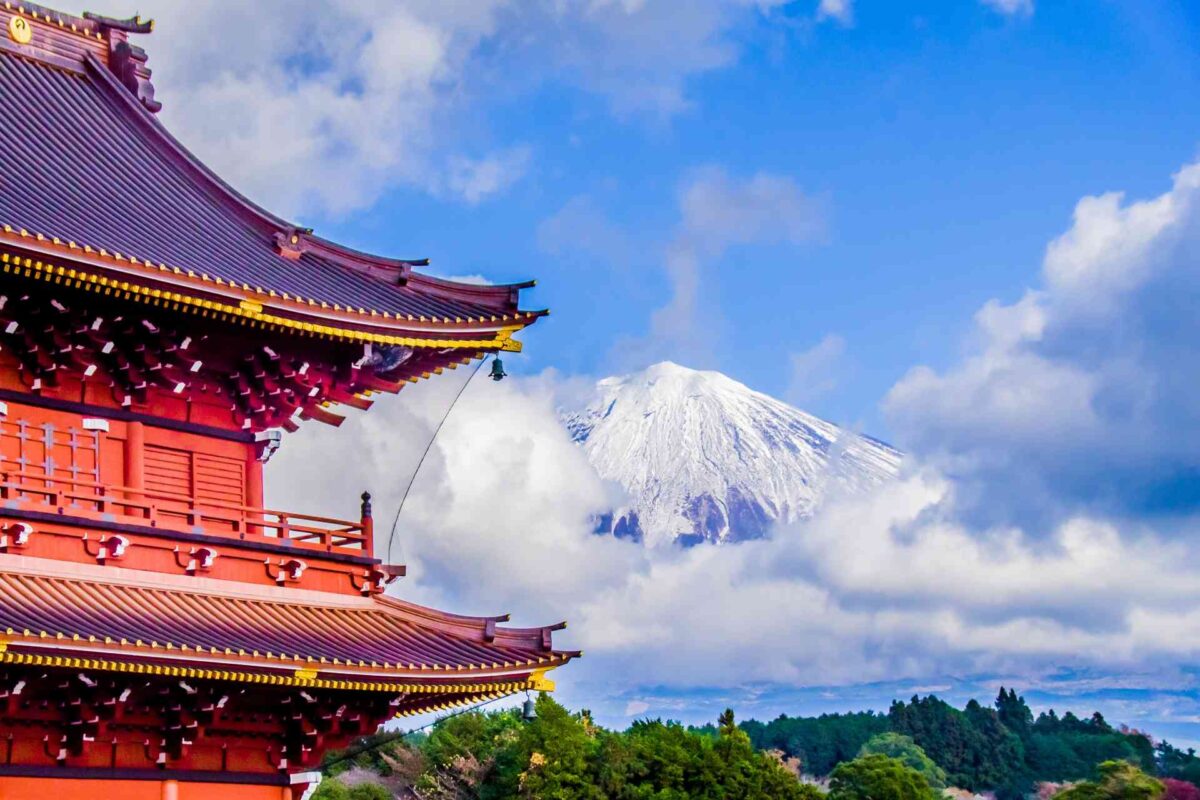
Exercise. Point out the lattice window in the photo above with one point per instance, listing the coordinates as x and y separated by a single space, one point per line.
41 452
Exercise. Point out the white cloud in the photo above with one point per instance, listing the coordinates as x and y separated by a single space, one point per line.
1011 8
1112 249
719 210
1079 396
878 588
314 106
842 11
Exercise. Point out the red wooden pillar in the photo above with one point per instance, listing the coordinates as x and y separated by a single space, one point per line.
135 463
254 482
135 455
254 492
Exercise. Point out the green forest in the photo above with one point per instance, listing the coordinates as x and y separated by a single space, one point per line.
920 750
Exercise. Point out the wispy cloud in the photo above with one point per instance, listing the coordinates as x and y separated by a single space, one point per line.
1011 8
815 370
841 11
581 231
474 179
718 211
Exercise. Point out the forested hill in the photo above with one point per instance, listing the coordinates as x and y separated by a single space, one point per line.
924 749
1002 748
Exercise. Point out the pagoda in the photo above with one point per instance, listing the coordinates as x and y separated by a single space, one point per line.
162 634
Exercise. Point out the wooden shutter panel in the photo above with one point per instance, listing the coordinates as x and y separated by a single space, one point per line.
168 471
220 479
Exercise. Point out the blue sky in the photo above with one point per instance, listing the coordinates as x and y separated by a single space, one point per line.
969 227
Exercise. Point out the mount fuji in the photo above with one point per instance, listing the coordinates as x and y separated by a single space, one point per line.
704 458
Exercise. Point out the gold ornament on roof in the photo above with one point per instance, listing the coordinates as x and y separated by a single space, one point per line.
19 30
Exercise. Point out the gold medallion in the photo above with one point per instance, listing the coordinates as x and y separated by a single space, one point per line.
20 30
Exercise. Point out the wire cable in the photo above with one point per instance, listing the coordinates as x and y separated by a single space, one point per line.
428 447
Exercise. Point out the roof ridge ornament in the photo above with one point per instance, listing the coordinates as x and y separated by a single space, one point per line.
134 24
128 61
291 244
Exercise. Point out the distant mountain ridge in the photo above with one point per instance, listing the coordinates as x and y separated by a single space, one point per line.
704 458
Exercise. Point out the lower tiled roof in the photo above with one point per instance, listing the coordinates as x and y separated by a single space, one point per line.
370 639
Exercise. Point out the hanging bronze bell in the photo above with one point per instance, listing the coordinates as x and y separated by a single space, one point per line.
529 710
498 373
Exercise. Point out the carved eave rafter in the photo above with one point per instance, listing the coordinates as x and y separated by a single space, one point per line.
151 721
154 721
57 332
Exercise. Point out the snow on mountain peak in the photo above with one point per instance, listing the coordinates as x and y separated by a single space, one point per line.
705 458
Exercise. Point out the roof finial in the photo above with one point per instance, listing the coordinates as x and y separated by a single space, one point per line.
134 24
127 61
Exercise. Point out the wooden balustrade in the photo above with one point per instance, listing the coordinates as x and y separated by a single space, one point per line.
75 497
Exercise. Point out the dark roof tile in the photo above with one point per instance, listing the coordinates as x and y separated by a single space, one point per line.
85 163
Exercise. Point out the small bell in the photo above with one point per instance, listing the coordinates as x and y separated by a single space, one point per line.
529 710
498 373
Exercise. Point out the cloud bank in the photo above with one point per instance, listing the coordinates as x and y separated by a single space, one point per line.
1080 397
1076 407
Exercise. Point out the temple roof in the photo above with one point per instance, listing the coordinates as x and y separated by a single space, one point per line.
125 617
92 176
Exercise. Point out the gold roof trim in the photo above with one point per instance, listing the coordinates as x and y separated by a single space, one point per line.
243 313
300 678
157 270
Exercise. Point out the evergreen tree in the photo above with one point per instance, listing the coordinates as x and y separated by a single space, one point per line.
1013 713
906 751
1175 763
548 760
975 749
877 777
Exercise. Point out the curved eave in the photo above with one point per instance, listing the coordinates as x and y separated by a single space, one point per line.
50 258
348 255
501 295
476 627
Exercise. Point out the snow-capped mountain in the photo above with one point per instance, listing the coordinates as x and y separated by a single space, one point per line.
704 458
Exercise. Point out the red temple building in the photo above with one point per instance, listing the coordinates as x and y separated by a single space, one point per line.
162 635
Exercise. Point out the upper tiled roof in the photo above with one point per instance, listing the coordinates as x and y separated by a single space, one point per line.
85 162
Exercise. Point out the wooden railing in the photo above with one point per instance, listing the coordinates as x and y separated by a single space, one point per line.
74 497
